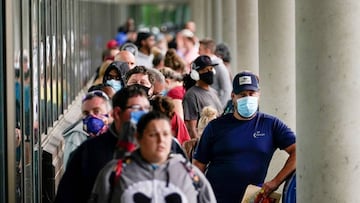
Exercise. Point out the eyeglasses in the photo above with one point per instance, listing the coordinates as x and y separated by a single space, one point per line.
137 107
95 93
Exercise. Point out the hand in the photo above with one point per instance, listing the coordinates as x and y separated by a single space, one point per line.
18 136
269 187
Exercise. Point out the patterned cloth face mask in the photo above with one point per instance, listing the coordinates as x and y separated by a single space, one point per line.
94 125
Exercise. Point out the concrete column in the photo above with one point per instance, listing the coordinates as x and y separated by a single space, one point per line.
198 16
327 97
277 67
229 28
217 21
247 36
208 7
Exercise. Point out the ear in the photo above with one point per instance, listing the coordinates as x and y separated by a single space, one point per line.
167 81
115 113
151 90
232 95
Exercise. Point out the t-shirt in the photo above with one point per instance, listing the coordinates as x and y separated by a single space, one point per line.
239 152
179 128
222 84
196 99
176 92
144 60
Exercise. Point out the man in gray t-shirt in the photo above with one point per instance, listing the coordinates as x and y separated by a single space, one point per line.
222 83
200 95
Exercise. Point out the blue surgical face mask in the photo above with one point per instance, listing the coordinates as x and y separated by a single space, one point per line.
164 92
247 106
136 115
94 125
115 84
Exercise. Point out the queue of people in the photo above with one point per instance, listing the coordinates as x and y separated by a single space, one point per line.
159 133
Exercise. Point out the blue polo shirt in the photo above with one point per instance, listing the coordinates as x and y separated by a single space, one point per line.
239 152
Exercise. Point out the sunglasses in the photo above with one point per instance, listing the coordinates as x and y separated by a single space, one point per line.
95 93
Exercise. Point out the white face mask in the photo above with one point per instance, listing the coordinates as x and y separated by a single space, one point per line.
247 106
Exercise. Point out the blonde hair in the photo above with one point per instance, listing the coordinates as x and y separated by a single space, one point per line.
208 114
102 70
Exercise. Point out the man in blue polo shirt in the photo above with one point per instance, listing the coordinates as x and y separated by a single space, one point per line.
235 150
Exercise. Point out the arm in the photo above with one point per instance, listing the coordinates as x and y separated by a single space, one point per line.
206 193
191 126
179 108
288 168
224 84
199 165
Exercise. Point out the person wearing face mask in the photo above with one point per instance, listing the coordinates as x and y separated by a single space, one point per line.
201 94
95 120
141 77
152 173
236 148
92 155
114 74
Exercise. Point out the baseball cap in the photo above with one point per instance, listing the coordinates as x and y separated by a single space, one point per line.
245 81
112 44
201 62
187 33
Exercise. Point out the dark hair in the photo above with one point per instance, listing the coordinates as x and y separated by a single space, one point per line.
158 57
188 82
140 69
122 96
98 87
147 118
163 104
222 51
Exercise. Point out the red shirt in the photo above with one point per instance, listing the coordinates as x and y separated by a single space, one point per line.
178 127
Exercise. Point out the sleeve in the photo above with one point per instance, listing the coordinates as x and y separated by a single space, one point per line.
191 111
102 188
176 93
182 133
224 84
206 193
202 152
283 135
71 183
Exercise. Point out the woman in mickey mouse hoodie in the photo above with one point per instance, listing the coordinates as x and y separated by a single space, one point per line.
151 173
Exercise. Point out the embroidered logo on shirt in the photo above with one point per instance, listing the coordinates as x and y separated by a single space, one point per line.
258 134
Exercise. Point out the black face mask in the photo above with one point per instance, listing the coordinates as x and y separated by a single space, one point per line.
26 74
146 89
207 77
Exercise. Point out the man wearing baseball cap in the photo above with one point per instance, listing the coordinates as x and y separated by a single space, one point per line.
201 94
237 148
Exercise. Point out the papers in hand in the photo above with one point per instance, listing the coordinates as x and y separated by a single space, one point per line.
253 195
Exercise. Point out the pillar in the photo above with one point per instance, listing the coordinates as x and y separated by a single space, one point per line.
247 36
217 21
199 17
327 97
229 29
277 67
